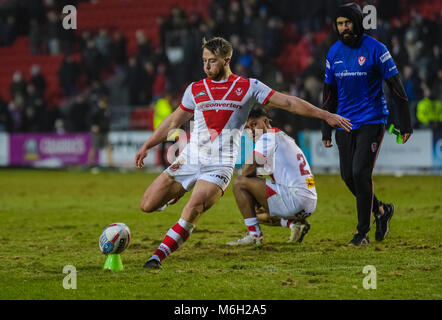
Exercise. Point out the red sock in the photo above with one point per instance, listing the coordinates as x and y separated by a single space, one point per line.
174 238
253 227
287 223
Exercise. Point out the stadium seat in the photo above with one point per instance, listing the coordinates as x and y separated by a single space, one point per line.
142 118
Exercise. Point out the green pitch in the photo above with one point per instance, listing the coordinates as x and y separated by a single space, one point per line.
51 219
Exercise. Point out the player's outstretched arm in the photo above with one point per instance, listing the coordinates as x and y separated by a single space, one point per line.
172 122
303 108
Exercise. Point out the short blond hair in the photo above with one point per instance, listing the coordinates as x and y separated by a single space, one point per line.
218 46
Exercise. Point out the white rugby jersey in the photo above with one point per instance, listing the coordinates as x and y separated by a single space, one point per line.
221 109
285 162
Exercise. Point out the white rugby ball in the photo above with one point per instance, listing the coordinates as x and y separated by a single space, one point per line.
115 238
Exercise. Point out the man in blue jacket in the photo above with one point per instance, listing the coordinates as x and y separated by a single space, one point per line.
356 66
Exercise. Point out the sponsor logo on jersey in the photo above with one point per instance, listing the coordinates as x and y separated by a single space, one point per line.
361 60
385 56
350 74
217 105
200 94
339 62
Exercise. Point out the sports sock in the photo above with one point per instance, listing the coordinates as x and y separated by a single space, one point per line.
287 223
174 238
253 227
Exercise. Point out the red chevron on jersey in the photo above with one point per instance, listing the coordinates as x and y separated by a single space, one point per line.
220 108
219 89
216 120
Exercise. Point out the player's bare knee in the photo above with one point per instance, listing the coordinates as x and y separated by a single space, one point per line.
147 206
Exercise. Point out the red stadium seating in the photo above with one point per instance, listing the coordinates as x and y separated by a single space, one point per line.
128 16
142 118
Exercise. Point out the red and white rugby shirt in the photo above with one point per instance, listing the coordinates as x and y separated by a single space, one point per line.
285 162
221 109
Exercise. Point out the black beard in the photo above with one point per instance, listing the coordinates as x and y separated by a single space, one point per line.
350 41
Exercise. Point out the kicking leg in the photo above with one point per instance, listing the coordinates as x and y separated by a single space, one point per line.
160 192
205 194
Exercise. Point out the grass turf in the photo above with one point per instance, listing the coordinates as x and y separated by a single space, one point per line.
54 218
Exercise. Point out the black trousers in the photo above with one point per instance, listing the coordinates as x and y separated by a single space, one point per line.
357 155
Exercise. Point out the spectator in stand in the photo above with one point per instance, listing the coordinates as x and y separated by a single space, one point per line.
259 27
429 111
68 75
53 29
103 44
33 111
92 62
59 126
18 86
245 57
67 37
15 109
144 49
78 115
273 39
437 85
100 127
98 91
233 25
3 30
398 51
11 30
36 9
159 84
5 117
118 49
38 80
176 21
35 37
84 39
147 80
132 81
160 57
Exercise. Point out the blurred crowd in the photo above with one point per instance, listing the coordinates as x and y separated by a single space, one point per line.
282 43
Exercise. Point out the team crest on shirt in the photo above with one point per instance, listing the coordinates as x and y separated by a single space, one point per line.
200 94
361 60
238 91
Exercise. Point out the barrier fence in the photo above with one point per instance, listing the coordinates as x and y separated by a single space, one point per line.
423 151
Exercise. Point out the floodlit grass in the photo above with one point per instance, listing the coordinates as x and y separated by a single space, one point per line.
51 219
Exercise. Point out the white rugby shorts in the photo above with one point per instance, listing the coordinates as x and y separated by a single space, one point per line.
283 202
188 174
